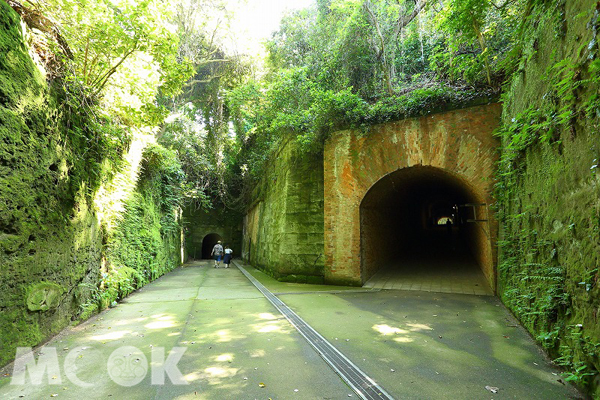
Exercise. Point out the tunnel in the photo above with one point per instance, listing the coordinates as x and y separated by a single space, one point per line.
208 243
422 220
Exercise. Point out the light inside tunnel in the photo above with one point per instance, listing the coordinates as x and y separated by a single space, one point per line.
420 213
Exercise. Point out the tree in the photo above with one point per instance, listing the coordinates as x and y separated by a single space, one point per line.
120 51
385 44
199 125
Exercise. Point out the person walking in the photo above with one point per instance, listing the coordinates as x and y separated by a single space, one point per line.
228 256
217 253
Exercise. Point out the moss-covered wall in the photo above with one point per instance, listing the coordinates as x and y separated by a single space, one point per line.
198 223
284 227
60 257
549 186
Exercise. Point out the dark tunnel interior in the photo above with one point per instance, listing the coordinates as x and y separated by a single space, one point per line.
208 243
419 213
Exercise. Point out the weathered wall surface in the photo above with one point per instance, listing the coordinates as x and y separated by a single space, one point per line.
60 259
458 142
549 187
283 229
199 223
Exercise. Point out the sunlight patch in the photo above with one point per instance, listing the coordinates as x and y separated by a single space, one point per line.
266 315
404 339
269 328
224 335
111 335
258 353
220 372
160 325
224 357
194 376
419 327
388 330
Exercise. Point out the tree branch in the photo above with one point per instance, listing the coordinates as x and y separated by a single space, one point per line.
373 18
404 20
101 81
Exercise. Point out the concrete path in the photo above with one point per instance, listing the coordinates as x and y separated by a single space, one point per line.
416 345
455 274
238 347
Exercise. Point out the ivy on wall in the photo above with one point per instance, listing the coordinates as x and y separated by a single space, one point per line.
56 152
145 243
547 186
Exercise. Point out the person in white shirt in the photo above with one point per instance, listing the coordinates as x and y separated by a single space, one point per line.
228 256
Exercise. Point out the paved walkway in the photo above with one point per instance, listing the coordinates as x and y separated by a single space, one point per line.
416 345
235 339
432 274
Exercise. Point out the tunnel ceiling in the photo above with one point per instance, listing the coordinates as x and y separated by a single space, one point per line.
408 186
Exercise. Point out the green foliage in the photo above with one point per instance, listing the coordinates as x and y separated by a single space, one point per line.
350 64
294 103
208 165
144 244
198 127
120 51
546 189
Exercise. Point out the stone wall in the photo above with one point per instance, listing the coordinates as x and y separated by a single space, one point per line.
459 143
223 224
283 228
550 188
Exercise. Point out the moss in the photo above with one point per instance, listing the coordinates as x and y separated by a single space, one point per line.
548 188
285 235
44 296
146 243
342 282
299 278
315 280
53 160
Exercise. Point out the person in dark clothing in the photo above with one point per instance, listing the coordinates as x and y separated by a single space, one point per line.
228 256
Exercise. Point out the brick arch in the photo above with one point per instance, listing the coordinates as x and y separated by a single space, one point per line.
399 214
459 142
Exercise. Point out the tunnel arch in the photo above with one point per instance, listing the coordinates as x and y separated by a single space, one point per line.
208 242
399 221
460 142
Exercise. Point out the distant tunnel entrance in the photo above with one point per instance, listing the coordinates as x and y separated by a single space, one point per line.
420 218
208 243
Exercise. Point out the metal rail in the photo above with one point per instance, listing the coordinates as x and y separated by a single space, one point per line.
363 386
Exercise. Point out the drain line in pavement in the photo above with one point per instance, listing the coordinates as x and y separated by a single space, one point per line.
364 386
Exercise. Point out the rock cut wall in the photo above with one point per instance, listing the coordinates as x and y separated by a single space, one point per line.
549 189
62 254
